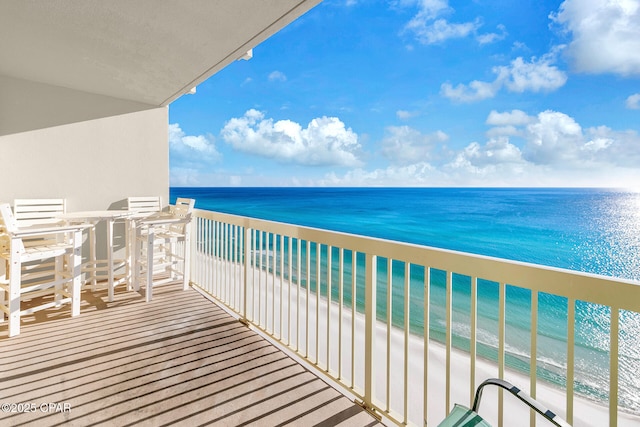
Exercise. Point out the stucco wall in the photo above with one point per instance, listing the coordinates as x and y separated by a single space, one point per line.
94 164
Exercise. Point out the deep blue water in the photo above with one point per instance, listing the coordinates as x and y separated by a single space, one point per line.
590 230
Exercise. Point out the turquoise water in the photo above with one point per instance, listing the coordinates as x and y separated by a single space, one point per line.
591 230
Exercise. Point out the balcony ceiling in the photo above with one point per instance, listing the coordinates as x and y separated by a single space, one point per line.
146 51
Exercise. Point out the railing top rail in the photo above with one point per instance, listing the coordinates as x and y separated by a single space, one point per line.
599 289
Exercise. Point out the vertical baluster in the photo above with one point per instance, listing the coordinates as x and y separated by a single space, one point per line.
266 289
407 295
281 251
308 263
222 262
501 346
241 263
290 242
533 360
329 270
369 328
247 270
231 261
260 279
229 271
389 319
234 260
473 319
239 268
201 269
571 338
448 303
318 257
210 259
613 367
218 260
425 343
340 307
225 265
299 276
252 263
353 317
196 258
195 255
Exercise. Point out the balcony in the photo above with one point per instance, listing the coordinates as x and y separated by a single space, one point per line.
411 330
177 360
183 358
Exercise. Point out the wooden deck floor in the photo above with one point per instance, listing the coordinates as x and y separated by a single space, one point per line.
179 360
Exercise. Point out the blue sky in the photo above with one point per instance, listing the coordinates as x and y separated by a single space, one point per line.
424 93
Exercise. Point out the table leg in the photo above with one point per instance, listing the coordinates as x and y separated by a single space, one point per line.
110 258
93 266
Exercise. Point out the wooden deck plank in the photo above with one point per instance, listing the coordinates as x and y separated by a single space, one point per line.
178 360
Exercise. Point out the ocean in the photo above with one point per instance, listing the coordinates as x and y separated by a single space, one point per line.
589 230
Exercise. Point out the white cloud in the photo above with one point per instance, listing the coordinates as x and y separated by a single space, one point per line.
633 102
474 91
547 149
519 76
277 76
535 76
605 145
606 35
429 27
325 140
404 145
493 37
417 174
554 138
441 30
188 151
495 151
406 115
514 118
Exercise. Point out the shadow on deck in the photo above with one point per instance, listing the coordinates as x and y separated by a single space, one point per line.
179 360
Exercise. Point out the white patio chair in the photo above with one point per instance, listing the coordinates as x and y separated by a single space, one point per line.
143 206
146 204
40 212
163 247
20 245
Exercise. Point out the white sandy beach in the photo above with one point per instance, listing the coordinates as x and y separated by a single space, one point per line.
586 412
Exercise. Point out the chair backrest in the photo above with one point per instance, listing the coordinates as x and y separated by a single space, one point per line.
30 212
8 223
182 209
148 204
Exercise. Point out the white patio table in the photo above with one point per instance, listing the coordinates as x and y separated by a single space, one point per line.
110 216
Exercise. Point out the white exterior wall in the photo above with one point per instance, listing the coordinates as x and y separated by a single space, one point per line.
94 164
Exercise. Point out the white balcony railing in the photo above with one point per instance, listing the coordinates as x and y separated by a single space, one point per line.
570 339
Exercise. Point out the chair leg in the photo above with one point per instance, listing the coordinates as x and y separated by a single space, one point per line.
150 239
129 255
76 270
59 267
92 258
3 295
136 258
14 294
186 267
